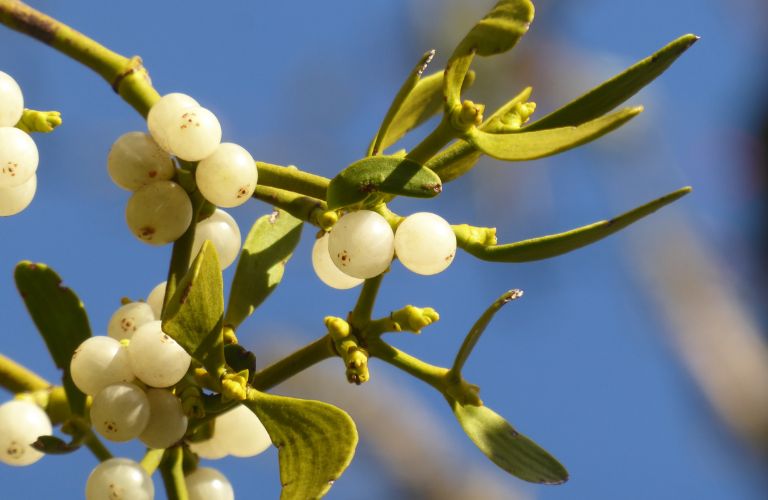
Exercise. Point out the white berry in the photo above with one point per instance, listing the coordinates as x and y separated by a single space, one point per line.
193 133
222 230
241 433
227 177
167 422
155 299
156 359
11 101
18 157
136 160
210 449
206 483
21 423
362 244
119 479
159 213
98 362
425 243
120 412
128 318
15 199
326 270
163 112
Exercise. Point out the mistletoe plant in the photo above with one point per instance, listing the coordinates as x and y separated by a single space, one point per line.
171 372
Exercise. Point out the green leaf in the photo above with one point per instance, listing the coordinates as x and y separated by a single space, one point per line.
618 89
507 448
315 441
267 248
193 315
553 245
497 32
424 101
531 145
381 174
60 318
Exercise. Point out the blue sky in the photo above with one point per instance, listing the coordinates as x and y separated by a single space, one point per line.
582 363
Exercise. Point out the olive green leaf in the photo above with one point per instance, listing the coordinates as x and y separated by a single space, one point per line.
60 318
497 32
618 89
315 442
507 448
192 316
531 145
267 248
556 244
381 174
423 102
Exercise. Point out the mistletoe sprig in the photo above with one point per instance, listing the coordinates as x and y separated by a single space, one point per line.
316 441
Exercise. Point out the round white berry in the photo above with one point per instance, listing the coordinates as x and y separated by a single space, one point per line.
15 199
227 177
361 244
241 433
155 299
425 243
136 160
193 133
326 270
159 213
222 230
128 318
206 483
99 362
163 113
21 423
167 422
18 157
120 412
210 449
156 359
11 101
119 479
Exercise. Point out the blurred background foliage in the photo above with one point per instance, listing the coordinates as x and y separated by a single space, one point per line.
640 362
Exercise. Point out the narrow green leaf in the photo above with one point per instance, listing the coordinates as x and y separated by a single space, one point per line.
315 442
192 317
381 174
60 318
424 101
479 327
531 145
507 448
267 248
618 89
557 244
497 32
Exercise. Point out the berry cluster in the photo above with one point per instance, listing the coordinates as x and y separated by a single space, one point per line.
18 152
160 211
362 245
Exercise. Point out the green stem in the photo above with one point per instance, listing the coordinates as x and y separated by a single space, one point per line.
172 471
431 374
300 206
16 378
125 75
433 143
182 250
93 443
361 314
151 460
299 361
292 179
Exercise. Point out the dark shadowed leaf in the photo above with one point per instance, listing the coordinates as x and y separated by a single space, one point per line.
315 441
269 245
618 89
557 244
381 174
507 448
60 318
193 315
531 145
